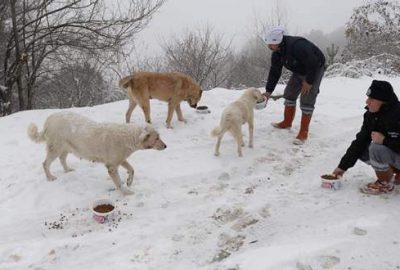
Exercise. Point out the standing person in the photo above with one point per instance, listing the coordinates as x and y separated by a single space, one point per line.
378 141
307 63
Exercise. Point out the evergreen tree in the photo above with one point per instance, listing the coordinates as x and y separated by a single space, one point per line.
331 53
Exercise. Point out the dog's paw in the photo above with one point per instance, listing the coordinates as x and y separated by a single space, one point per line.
51 178
126 191
250 146
129 181
216 154
183 120
298 142
69 170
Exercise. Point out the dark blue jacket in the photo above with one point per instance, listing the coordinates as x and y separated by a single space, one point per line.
298 55
385 121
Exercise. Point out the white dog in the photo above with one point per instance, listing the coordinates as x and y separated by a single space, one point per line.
109 143
235 115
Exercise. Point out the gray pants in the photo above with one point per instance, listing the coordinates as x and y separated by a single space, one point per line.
381 157
293 90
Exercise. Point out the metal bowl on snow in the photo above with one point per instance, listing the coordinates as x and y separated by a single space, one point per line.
202 109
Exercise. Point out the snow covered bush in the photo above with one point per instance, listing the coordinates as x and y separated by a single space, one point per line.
373 28
385 64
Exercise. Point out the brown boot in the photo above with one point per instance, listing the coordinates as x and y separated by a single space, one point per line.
397 179
396 175
384 184
288 118
385 176
303 133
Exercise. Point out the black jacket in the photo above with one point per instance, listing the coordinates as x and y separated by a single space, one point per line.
298 55
385 121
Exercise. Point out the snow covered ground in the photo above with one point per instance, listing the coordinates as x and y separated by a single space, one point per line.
192 210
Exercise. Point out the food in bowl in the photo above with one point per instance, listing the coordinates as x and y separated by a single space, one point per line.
103 210
202 109
331 181
329 177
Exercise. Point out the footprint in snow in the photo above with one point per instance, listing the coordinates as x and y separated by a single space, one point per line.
327 262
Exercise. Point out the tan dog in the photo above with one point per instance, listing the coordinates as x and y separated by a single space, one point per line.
235 115
109 143
170 87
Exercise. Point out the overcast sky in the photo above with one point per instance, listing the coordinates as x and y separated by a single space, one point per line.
236 18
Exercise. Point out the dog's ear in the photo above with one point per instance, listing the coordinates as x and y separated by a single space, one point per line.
145 133
256 93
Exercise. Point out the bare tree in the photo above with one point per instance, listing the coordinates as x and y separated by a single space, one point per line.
200 54
45 33
277 16
3 18
138 60
76 84
251 64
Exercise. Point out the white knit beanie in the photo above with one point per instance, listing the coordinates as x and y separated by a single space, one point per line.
275 35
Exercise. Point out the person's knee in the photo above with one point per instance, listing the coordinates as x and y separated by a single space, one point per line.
379 157
376 150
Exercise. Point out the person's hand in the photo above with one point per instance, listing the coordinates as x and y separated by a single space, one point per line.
338 172
377 137
305 87
266 95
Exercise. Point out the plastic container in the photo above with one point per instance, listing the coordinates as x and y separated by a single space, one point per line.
102 209
331 181
261 105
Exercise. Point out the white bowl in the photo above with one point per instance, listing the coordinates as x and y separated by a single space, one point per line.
101 214
330 181
261 105
202 109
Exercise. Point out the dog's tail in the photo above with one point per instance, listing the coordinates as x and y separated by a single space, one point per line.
217 131
34 134
124 82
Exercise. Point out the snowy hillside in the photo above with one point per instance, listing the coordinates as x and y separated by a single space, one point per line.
192 210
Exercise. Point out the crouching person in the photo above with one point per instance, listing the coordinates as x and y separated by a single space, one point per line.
378 141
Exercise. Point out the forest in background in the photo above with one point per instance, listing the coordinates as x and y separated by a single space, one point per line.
72 53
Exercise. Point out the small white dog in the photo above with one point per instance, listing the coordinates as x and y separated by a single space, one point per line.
109 143
235 115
